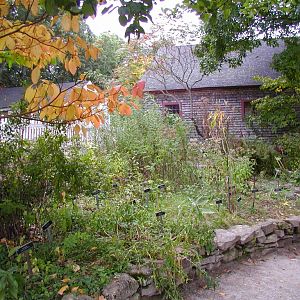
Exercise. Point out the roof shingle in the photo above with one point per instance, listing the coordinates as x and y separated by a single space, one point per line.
176 66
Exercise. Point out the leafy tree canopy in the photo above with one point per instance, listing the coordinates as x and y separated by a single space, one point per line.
241 26
279 109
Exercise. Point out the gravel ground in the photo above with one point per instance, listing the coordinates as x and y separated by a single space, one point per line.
274 277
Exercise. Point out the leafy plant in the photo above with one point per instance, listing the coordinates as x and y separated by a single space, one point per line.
10 284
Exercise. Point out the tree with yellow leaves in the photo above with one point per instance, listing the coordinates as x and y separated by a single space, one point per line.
34 45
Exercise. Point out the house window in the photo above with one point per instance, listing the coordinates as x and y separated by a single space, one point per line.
172 108
246 108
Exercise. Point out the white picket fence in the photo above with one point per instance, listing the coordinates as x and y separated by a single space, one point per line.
34 129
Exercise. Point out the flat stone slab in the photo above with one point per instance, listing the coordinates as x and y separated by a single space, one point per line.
272 238
136 270
294 221
121 287
225 239
259 234
268 226
245 232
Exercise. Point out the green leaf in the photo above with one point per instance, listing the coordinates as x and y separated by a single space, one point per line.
123 20
51 7
123 10
89 8
227 13
106 9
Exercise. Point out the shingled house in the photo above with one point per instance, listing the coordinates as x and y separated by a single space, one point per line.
175 80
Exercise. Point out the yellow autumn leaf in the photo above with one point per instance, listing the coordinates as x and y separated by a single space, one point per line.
2 44
52 114
72 66
66 22
94 52
62 290
81 43
36 51
53 91
66 279
35 7
74 289
67 64
76 131
35 75
4 8
29 94
43 114
59 101
75 23
10 43
70 113
84 131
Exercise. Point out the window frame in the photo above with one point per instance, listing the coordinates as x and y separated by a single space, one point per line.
243 107
165 104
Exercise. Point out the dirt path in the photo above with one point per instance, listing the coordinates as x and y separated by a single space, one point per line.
275 277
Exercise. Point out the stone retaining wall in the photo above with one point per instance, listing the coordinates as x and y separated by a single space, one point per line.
229 244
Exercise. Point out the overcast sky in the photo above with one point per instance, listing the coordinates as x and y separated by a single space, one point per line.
110 22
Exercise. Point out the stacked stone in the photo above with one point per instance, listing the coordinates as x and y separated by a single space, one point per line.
239 240
257 240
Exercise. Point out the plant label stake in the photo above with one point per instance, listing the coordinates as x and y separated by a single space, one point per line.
218 203
254 191
147 195
161 188
24 249
159 216
278 188
229 194
47 227
96 194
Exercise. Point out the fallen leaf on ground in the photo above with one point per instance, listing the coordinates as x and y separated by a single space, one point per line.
62 290
75 268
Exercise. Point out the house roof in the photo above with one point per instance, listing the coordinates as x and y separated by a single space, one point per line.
9 96
175 66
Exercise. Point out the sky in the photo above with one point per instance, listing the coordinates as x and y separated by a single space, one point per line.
110 22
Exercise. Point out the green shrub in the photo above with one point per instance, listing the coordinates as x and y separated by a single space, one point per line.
152 144
78 245
33 174
290 146
264 156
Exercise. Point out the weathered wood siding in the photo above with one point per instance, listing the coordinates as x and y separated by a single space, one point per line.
228 100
